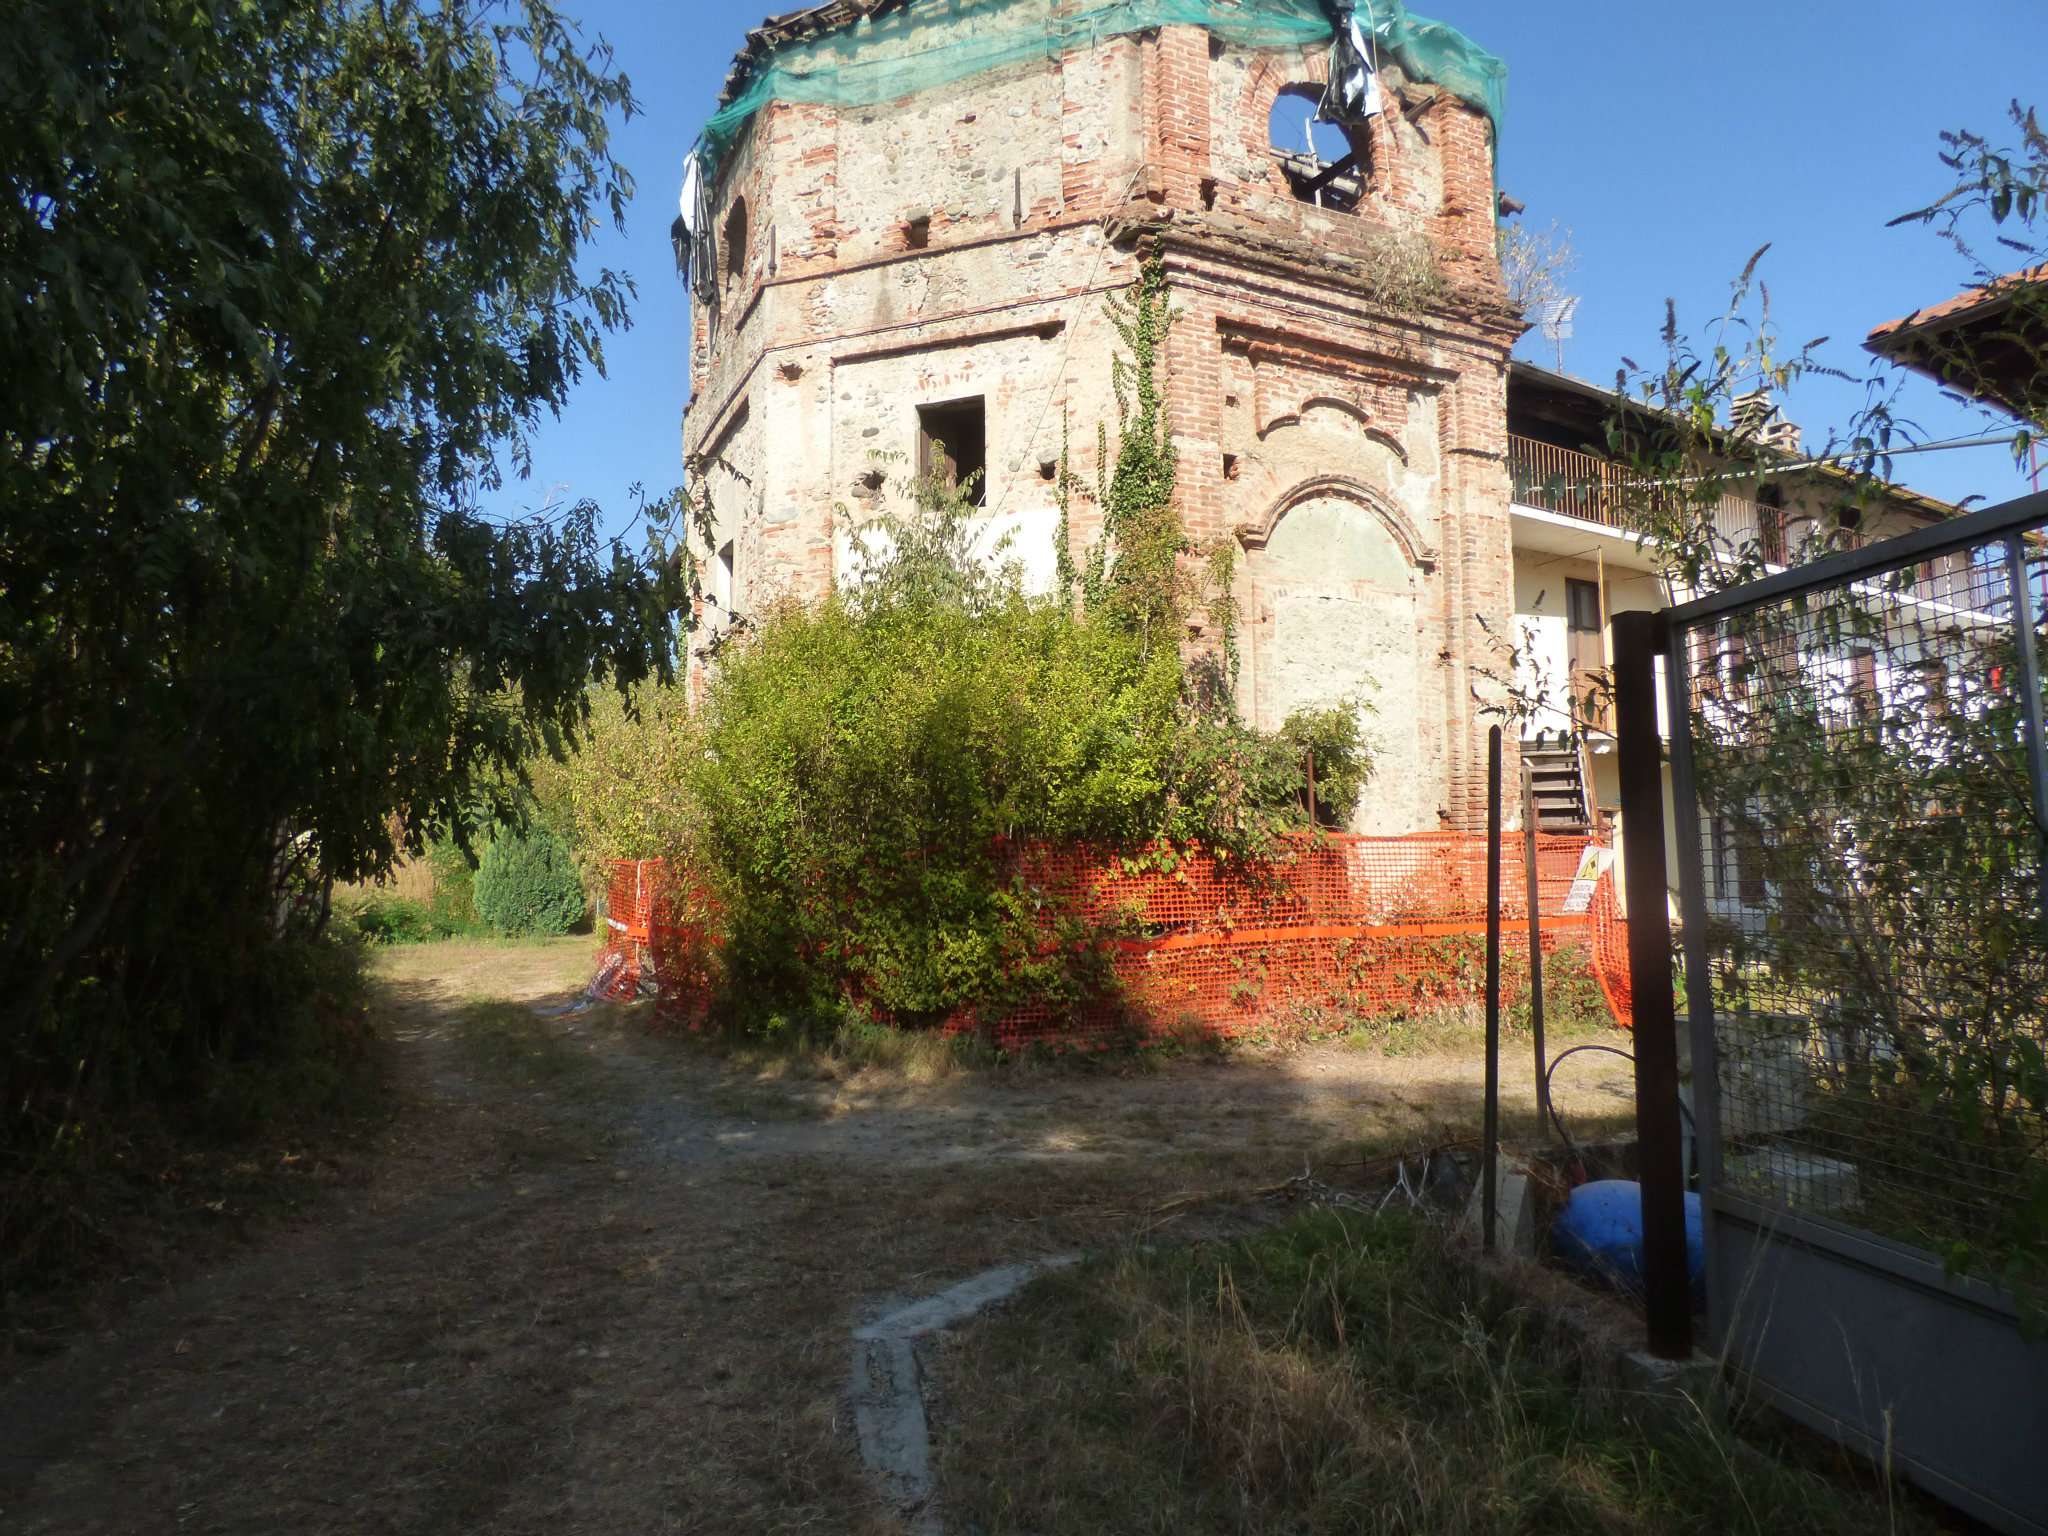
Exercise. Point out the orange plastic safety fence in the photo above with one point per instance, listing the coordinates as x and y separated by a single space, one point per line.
1610 953
1337 927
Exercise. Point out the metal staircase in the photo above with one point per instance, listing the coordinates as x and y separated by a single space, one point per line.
1557 786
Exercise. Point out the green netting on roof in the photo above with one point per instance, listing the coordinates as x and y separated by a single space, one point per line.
936 42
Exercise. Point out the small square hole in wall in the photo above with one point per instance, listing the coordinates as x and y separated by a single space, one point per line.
917 231
1208 191
1230 466
1048 468
952 444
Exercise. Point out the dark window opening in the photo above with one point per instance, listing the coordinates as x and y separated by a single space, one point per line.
952 445
1720 854
1582 606
1770 518
917 232
1327 164
736 239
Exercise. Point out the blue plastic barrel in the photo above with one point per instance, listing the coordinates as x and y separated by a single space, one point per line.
1599 1233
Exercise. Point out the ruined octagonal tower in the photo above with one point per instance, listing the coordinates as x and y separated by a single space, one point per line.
923 273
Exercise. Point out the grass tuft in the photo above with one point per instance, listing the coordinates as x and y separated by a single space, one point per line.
1340 1373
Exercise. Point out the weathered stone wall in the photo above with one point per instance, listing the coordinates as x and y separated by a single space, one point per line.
1336 379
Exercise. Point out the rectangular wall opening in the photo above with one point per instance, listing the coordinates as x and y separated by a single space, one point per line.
952 444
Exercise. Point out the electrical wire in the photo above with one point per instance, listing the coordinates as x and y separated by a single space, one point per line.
1550 1103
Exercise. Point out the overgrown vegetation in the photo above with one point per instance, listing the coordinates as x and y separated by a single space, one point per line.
1861 768
868 768
290 283
1340 1373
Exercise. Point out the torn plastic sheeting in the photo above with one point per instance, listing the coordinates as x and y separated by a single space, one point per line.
696 249
1353 94
884 59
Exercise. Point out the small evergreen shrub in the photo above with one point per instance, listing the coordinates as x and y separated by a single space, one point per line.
528 885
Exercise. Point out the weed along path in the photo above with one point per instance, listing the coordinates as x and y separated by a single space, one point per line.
596 1279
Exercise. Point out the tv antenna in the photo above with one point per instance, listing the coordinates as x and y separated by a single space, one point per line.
1553 319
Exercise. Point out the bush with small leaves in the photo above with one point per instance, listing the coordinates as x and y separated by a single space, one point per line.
528 885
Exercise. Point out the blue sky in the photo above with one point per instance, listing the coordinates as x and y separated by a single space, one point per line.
1672 140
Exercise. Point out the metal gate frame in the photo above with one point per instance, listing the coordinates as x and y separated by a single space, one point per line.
1858 1336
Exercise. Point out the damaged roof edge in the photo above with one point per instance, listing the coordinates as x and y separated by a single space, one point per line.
799 27
1411 39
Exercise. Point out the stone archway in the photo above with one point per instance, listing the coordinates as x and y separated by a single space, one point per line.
1334 583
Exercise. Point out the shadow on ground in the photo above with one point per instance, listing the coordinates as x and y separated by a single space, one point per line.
602 1280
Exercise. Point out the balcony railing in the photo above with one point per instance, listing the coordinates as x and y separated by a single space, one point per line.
1598 490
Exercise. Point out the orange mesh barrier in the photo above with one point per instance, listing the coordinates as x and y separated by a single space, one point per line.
1610 953
1358 926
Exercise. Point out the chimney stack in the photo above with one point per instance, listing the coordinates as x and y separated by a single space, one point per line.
1752 413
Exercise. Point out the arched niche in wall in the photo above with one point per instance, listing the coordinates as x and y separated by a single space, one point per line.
1332 599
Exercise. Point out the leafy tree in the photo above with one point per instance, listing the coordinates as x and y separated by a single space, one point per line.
290 283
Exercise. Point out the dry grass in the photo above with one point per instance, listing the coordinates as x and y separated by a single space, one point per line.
601 1279
409 880
1341 1373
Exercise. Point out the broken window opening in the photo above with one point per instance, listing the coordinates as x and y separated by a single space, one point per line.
952 446
736 239
1327 164
722 594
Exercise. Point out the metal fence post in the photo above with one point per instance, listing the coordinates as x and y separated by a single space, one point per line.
1699 988
2029 665
1638 637
1489 1205
1535 946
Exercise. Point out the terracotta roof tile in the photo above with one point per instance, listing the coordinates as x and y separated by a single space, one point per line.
1962 303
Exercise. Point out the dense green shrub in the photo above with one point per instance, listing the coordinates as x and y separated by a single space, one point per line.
1328 739
869 765
528 884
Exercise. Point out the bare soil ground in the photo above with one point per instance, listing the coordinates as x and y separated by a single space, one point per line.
598 1280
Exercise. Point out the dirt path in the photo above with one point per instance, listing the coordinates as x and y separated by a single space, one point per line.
602 1282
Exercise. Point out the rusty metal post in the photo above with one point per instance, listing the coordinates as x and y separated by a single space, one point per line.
1667 1288
1489 1201
1535 946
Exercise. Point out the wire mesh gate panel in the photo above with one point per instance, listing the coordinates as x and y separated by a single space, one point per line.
1862 797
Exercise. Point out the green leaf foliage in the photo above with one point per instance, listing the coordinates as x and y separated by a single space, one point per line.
869 766
289 284
527 885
